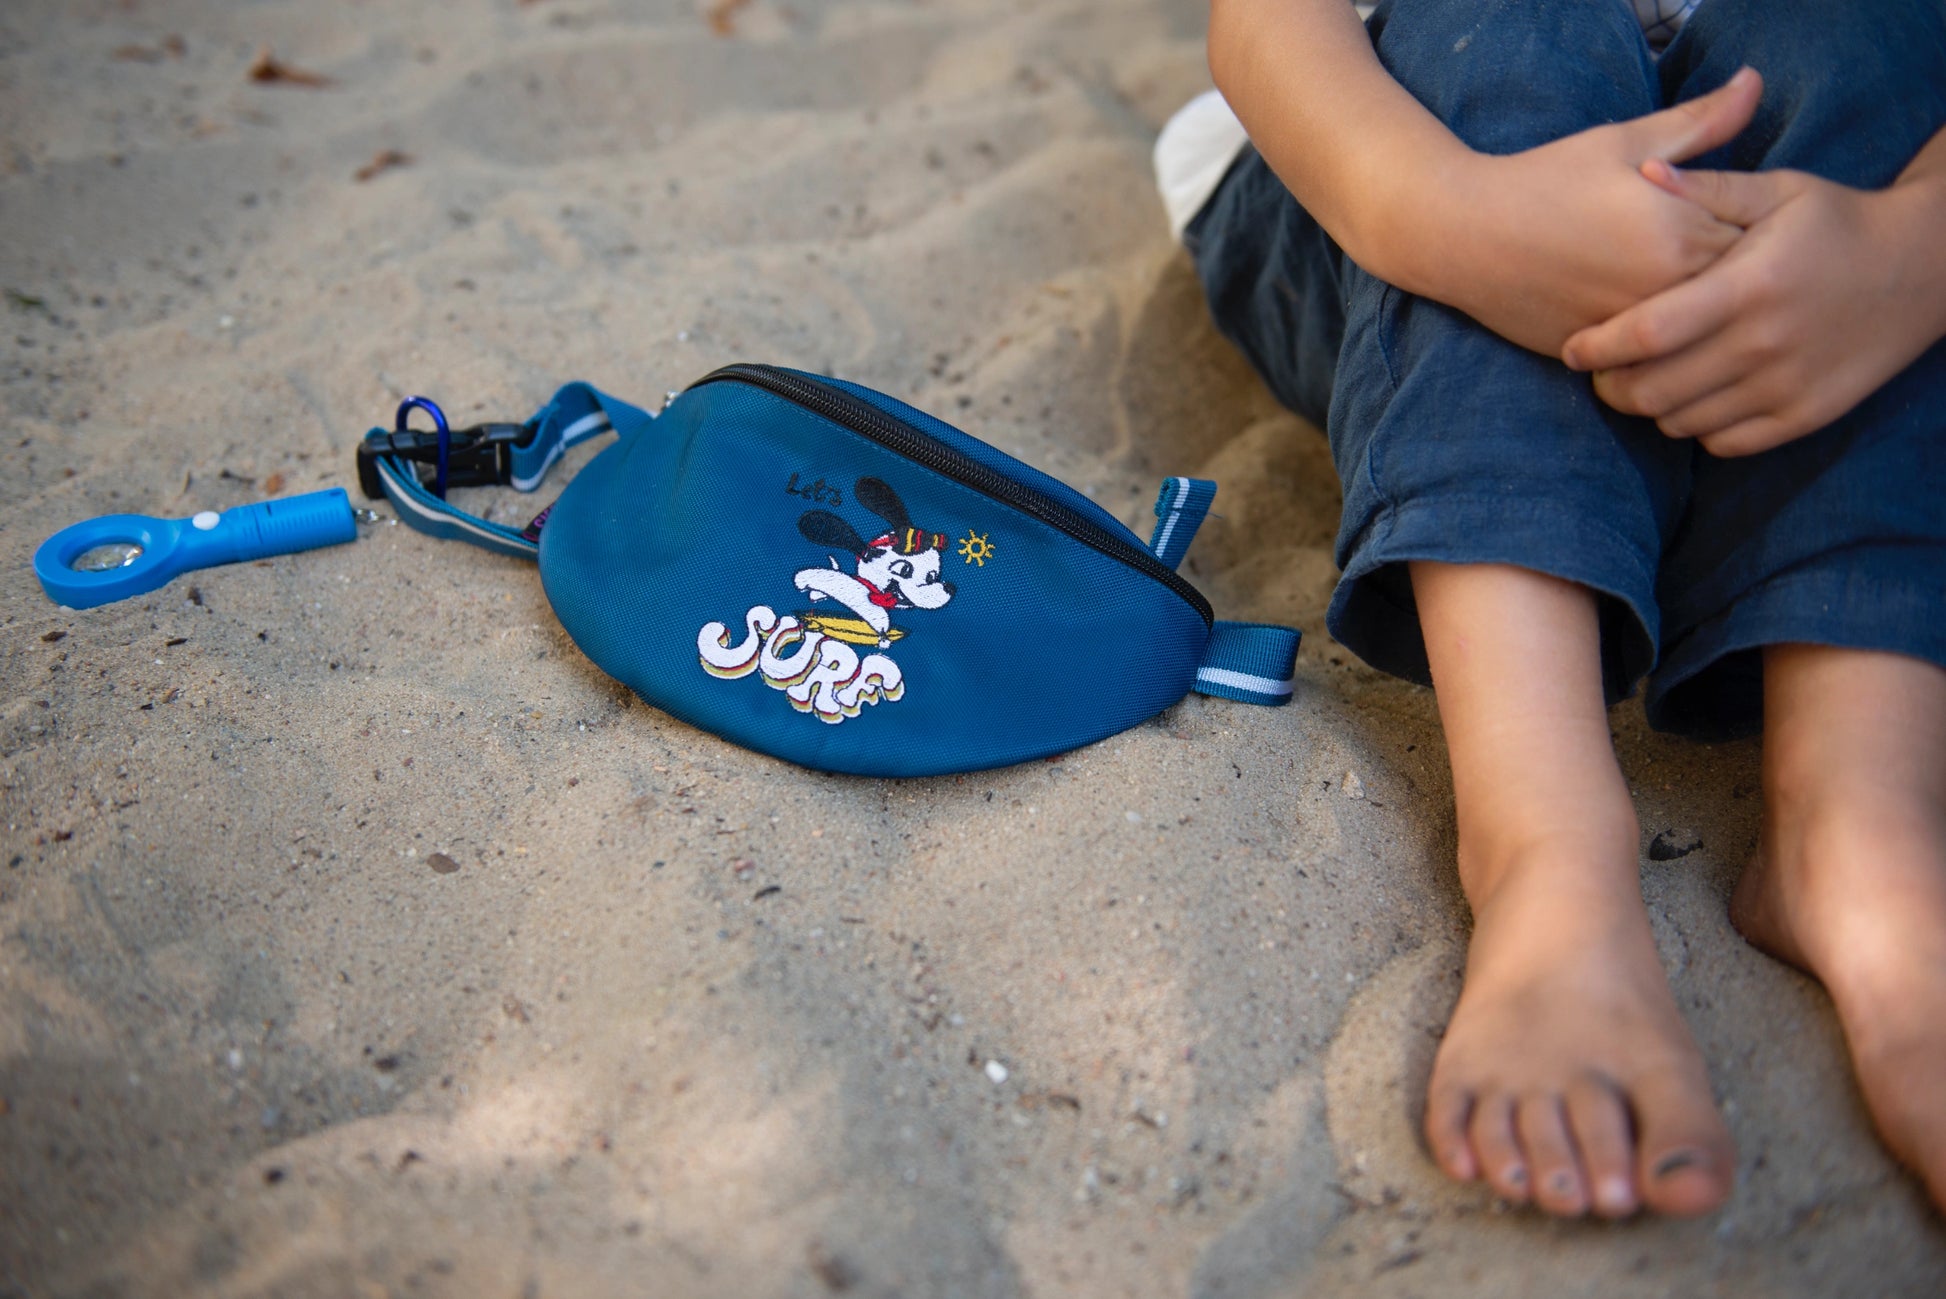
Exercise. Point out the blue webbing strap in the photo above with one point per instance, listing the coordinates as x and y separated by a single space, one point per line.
1179 511
576 413
436 518
1251 662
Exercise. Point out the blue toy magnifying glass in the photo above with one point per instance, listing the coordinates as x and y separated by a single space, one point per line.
116 556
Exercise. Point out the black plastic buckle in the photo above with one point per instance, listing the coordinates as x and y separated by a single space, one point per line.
480 456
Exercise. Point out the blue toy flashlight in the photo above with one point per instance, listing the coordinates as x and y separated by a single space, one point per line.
115 556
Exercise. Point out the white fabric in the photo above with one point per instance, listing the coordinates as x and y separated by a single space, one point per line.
1192 154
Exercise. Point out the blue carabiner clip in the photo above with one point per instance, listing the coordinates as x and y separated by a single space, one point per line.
431 408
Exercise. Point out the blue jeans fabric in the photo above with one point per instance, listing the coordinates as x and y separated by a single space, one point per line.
1453 444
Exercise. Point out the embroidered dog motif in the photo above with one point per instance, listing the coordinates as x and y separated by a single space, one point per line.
898 569
810 655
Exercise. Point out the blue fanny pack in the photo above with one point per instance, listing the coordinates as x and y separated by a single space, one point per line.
817 571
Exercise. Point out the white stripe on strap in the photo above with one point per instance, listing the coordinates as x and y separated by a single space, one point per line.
404 500
592 422
587 426
1246 681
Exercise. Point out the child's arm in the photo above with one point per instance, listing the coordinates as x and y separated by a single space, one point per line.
1831 293
1534 245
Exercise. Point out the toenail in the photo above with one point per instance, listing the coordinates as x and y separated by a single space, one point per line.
1515 1176
1614 1193
1561 1183
1675 1163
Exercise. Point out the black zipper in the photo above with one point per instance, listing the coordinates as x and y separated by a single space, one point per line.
896 435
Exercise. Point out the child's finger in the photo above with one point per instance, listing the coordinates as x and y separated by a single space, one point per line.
1656 326
1714 412
1748 437
1673 385
1740 198
1698 125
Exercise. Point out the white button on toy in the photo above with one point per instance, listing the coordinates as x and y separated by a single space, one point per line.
206 520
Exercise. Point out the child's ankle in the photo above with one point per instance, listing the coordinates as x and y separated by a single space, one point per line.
1592 850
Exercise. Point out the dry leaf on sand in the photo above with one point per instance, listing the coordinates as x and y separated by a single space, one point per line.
268 68
383 160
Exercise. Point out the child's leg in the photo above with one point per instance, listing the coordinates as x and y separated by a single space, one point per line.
1471 469
1531 521
1850 879
1567 1075
1835 540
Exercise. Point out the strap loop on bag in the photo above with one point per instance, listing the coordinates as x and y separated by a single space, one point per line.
1179 511
1251 662
576 413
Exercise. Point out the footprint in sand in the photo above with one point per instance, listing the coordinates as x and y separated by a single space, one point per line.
1375 1077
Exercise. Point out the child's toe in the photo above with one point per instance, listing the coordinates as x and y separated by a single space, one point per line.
1497 1149
1448 1110
1598 1118
1685 1163
1542 1124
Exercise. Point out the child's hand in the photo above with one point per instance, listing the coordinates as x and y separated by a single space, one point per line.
1830 293
1540 244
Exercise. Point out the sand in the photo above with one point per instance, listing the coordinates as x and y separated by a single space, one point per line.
255 1041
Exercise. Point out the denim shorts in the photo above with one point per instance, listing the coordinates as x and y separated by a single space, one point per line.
1453 444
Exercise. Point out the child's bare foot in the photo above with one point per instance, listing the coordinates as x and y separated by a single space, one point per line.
1567 1077
1849 882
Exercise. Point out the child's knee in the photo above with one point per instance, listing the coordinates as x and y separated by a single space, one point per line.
1851 92
1520 73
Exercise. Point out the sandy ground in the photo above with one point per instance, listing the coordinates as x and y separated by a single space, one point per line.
253 1043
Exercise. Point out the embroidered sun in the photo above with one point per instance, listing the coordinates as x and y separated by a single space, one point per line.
974 548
